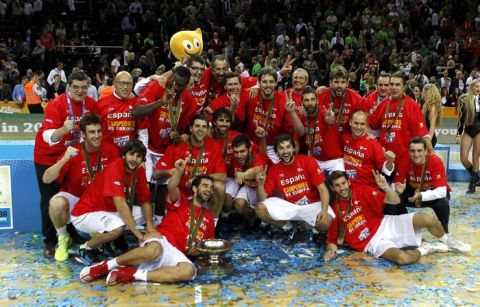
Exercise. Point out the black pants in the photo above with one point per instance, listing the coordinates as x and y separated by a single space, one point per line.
441 207
46 192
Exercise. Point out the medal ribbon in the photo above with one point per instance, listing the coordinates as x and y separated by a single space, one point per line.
131 190
175 114
197 160
268 120
311 133
75 132
341 230
340 111
91 172
194 224
397 113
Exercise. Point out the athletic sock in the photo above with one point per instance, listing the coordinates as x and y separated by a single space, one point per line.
287 226
62 231
112 264
85 246
140 275
444 238
423 251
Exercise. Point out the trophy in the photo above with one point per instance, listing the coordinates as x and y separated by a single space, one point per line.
212 262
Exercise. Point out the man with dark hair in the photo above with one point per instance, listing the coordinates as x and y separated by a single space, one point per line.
422 182
399 118
222 134
315 127
265 113
201 81
304 195
202 155
340 99
117 198
241 182
231 98
162 257
361 224
59 130
73 173
169 109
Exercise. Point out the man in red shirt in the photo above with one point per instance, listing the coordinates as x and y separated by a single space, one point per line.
315 126
169 109
231 98
399 118
266 112
203 156
241 184
59 130
222 134
299 82
342 100
74 173
117 198
115 111
304 195
162 257
201 80
361 224
422 182
362 154
373 99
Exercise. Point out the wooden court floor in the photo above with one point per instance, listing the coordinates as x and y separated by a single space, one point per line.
265 274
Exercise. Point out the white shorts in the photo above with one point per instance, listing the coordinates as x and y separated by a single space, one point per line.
282 210
71 199
104 221
395 231
246 193
150 162
272 155
170 257
332 165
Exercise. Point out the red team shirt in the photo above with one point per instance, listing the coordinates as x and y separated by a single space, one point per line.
74 177
118 125
296 97
326 144
296 182
228 151
211 161
112 181
362 221
159 120
200 91
55 115
353 102
410 123
372 100
360 157
257 159
435 175
256 115
175 225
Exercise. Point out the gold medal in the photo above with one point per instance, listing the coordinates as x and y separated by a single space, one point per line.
172 134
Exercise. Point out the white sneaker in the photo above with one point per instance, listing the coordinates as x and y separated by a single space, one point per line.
434 247
458 246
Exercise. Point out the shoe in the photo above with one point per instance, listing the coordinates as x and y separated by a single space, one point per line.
64 242
223 228
316 239
266 231
49 250
88 257
471 188
458 246
289 236
122 275
89 273
434 247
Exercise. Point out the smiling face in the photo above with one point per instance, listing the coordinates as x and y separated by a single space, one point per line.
186 43
132 160
285 151
241 154
203 192
199 130
397 87
338 85
359 124
267 85
309 102
341 186
92 136
417 153
222 124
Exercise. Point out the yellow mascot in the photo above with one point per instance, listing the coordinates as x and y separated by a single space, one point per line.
185 43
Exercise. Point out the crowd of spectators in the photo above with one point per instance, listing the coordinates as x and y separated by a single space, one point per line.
430 41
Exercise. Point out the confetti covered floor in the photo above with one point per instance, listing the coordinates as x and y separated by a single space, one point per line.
265 273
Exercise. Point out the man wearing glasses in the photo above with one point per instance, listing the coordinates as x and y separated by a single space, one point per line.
118 125
59 130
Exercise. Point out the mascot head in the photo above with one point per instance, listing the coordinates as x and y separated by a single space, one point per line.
185 43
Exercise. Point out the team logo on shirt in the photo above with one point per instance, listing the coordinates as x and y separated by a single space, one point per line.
116 182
